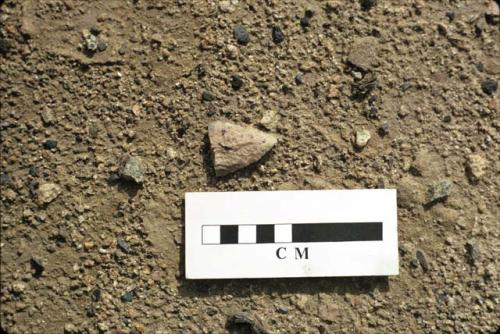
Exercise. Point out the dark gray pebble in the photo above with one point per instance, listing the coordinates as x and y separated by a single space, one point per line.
278 35
114 178
127 297
367 4
96 295
422 259
212 311
473 251
236 82
208 96
489 86
5 46
37 265
372 113
241 35
200 71
299 79
33 171
405 86
123 245
282 309
50 144
102 46
305 21
5 179
243 322
383 129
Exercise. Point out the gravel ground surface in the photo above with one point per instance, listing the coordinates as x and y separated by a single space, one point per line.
105 111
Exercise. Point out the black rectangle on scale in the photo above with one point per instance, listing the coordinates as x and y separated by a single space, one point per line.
265 234
229 234
336 232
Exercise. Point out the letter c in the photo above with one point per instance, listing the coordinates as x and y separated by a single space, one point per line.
278 253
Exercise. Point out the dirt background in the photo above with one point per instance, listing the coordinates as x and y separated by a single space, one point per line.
106 256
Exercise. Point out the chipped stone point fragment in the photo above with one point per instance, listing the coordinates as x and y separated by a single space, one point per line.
234 147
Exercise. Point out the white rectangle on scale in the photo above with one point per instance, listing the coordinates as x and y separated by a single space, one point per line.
307 233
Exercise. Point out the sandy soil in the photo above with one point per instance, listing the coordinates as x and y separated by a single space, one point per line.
82 83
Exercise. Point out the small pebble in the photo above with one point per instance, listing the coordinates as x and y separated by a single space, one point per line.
438 191
47 117
282 309
37 265
113 178
476 167
278 35
90 41
5 179
69 329
489 86
243 322
447 119
103 328
362 138
405 86
208 96
47 192
96 295
5 46
226 6
383 129
305 21
367 4
241 35
123 245
127 297
473 251
422 259
50 144
200 71
131 169
33 171
102 46
212 311
299 79
372 113
236 82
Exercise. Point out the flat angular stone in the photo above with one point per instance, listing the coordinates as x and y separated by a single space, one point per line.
47 192
131 169
438 191
363 53
476 167
234 147
362 138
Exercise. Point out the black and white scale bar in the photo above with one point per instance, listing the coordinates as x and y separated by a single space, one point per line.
286 233
298 233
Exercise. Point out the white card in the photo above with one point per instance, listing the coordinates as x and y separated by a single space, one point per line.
307 233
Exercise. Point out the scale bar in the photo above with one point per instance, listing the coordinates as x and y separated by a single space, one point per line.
287 233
